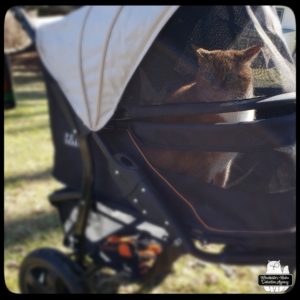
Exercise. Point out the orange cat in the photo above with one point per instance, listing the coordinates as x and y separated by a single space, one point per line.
222 76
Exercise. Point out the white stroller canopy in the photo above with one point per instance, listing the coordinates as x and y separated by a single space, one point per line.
93 52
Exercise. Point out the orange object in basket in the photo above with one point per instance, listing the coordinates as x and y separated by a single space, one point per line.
124 250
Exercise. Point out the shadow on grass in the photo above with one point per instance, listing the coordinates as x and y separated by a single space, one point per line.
30 95
25 115
28 128
28 61
28 79
26 68
46 174
18 230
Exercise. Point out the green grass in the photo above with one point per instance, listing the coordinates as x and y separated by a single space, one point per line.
30 221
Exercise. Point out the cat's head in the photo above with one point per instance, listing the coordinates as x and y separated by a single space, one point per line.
273 266
226 74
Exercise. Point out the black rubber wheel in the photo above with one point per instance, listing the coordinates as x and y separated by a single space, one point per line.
49 271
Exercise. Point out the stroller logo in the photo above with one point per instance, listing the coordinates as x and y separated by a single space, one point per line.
71 140
277 278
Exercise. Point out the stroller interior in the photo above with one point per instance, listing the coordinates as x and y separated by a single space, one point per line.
122 147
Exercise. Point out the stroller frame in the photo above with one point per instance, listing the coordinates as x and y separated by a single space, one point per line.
151 203
151 206
144 192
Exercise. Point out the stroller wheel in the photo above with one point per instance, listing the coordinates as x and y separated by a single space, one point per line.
49 271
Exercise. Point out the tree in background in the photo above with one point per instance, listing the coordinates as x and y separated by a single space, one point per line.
9 99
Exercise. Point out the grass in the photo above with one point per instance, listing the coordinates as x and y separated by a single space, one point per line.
30 221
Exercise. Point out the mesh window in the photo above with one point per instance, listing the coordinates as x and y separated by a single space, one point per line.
171 62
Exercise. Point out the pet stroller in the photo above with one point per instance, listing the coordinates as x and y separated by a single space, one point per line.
108 70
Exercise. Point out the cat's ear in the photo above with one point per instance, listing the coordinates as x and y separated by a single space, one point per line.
201 53
194 47
249 54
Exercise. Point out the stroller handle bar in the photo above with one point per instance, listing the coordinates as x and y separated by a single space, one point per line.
23 18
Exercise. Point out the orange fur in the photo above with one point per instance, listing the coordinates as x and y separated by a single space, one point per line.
222 76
